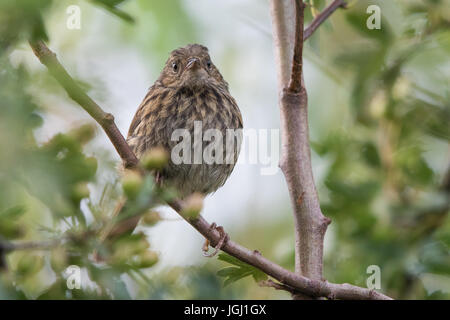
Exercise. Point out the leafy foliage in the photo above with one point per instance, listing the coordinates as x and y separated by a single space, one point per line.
46 191
380 184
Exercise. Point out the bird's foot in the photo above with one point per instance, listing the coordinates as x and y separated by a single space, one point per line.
223 239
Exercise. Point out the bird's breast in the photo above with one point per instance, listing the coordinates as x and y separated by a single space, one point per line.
214 108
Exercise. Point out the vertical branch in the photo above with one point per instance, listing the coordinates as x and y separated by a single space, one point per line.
310 224
295 83
283 29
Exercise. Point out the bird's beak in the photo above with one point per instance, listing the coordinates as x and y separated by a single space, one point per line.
193 64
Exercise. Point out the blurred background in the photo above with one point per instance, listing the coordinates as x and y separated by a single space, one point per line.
379 111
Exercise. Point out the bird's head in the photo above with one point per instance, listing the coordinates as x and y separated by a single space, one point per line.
191 66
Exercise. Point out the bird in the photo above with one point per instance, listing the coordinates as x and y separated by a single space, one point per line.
190 95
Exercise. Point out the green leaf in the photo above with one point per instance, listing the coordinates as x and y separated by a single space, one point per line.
370 154
10 226
258 275
242 270
12 213
230 259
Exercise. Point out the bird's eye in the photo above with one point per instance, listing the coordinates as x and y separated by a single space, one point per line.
175 66
208 64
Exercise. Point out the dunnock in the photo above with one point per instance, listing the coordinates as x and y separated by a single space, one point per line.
189 89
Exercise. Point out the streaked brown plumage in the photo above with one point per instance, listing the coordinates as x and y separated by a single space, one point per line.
190 88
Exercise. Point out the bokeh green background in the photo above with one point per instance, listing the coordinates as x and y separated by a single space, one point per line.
379 125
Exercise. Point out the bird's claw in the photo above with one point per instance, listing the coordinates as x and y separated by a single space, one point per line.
223 239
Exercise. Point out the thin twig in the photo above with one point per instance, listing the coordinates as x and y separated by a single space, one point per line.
6 246
277 286
321 17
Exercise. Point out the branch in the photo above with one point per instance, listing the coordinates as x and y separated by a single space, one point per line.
106 120
295 282
295 161
336 4
302 284
277 286
6 247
